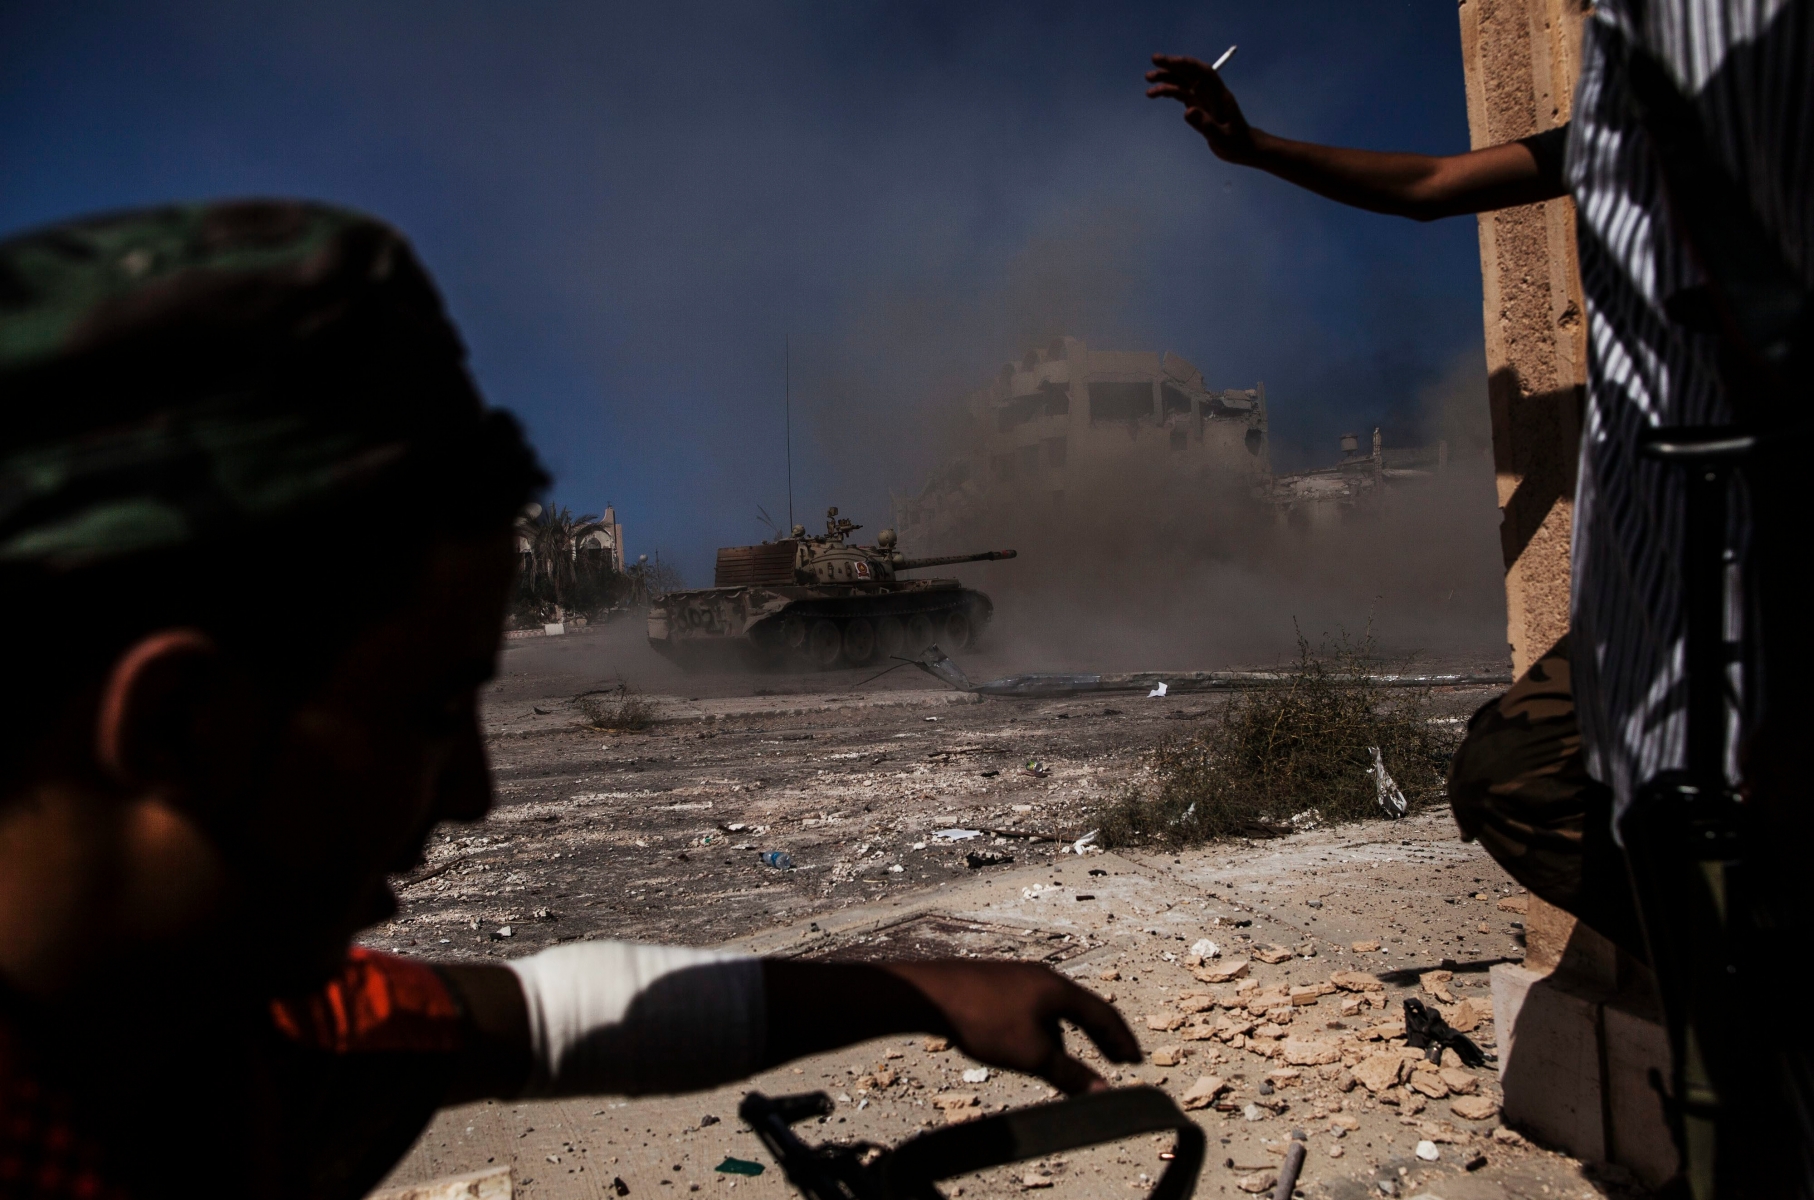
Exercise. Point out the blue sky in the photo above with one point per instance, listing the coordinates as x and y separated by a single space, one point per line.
630 208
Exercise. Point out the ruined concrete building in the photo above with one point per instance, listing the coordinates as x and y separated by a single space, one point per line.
1066 419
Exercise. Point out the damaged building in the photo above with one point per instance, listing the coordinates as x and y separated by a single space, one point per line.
1066 417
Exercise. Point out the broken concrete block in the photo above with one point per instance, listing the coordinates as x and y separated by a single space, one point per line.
1222 972
1310 1052
1474 1108
1460 1082
493 1183
1302 995
1203 1092
1377 1072
1436 983
1271 954
1357 981
1430 1084
1465 1017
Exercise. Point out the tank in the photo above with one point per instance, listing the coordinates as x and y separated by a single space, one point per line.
817 603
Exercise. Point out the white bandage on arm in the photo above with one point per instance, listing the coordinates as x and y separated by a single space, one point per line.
629 1019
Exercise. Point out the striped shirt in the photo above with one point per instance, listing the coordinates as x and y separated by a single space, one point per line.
1746 66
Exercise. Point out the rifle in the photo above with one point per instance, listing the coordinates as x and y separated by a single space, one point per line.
912 1170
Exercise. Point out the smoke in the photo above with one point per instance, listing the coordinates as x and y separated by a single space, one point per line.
1126 574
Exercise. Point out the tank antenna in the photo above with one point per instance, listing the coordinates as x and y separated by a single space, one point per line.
787 401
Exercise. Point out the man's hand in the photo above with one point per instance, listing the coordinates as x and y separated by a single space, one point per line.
1009 1014
1209 107
1005 1014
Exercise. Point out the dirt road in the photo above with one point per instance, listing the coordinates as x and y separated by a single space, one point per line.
657 835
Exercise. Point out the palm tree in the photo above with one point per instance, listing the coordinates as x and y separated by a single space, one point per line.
551 541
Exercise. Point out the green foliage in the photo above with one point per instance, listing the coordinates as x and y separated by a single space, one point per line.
1282 751
560 573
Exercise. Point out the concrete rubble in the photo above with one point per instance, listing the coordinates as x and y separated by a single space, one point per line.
1293 1024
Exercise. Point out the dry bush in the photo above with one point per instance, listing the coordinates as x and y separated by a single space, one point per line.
1300 747
619 709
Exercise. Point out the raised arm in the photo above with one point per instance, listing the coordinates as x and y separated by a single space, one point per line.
1423 187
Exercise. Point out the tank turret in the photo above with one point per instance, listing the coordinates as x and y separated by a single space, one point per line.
822 600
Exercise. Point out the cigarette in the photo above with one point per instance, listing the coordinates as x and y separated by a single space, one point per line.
1226 55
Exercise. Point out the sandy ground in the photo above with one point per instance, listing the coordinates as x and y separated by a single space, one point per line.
656 835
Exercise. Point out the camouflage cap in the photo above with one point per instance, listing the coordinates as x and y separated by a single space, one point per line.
177 372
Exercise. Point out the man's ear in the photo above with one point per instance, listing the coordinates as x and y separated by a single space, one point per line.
152 706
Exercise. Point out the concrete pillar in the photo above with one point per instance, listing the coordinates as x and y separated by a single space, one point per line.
1575 1046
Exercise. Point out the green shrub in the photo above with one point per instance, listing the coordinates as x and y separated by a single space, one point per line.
1300 749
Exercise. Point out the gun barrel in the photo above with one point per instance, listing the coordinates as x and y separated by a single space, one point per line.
914 564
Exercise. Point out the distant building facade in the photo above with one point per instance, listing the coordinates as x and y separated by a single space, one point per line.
1069 420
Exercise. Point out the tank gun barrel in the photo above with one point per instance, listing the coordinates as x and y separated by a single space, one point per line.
914 564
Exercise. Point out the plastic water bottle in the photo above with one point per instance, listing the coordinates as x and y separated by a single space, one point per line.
781 860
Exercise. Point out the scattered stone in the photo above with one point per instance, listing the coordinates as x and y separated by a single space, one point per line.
1436 984
1367 947
1164 1022
1203 948
977 1075
1346 1122
1271 954
1254 1112
1285 1077
937 1045
1310 1052
1506 1137
1351 1005
1335 1150
1460 1082
1474 1108
1474 1163
1483 927
1357 981
1344 1080
1466 1016
1377 1072
1196 1002
1225 972
1258 1182
1428 1152
1306 995
1203 1093
1108 976
503 931
1270 1031
958 1106
1515 904
1168 1056
1430 1084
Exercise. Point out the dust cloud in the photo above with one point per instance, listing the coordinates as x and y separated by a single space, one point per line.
1121 575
